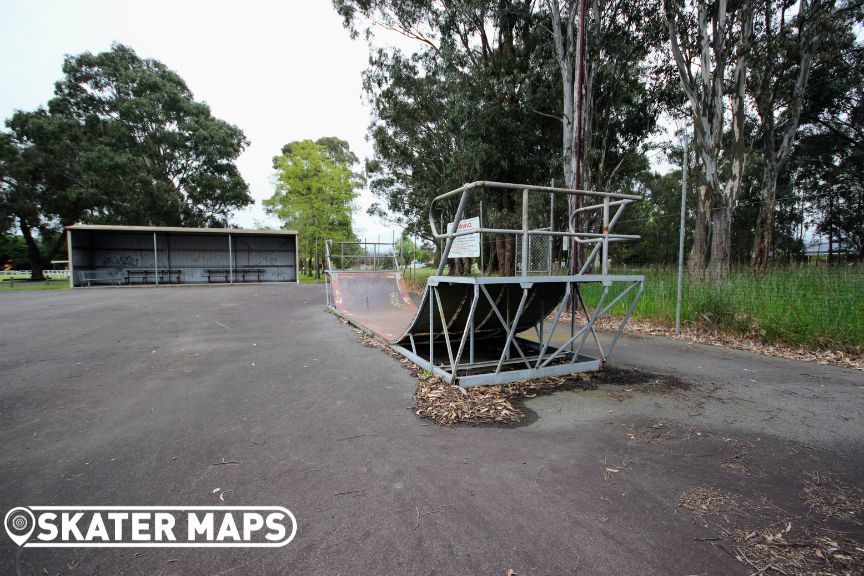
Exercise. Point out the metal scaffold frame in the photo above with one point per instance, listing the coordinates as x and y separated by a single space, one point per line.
495 342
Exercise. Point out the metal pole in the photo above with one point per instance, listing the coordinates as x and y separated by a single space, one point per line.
681 237
155 260
230 259
551 244
431 325
456 219
441 245
481 242
605 266
525 232
71 258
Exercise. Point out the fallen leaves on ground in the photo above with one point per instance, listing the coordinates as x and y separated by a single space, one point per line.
448 404
778 550
707 501
780 544
830 498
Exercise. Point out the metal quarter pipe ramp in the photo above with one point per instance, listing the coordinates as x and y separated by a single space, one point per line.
474 330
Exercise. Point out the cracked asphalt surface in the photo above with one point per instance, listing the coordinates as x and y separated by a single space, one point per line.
130 396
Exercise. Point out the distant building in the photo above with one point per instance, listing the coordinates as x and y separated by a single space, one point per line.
819 247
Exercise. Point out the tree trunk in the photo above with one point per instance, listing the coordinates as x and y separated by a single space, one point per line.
37 271
492 264
721 228
699 250
765 222
776 157
564 51
575 202
506 248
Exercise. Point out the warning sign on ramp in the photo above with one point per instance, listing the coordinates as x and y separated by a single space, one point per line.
467 246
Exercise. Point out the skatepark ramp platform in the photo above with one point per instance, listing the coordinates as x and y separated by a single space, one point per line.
478 330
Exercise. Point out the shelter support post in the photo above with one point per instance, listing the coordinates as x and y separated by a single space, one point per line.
155 260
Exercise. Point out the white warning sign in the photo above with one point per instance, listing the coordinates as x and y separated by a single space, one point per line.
467 246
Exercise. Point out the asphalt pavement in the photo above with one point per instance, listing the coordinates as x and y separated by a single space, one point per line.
134 396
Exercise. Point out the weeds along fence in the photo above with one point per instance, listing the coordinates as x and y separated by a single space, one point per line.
820 307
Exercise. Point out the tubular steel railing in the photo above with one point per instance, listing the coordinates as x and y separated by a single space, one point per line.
600 240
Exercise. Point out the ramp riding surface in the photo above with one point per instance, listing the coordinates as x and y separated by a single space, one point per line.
379 302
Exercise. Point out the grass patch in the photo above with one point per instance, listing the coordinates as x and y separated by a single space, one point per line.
304 279
25 284
807 306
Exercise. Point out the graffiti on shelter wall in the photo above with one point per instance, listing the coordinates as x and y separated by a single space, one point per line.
118 261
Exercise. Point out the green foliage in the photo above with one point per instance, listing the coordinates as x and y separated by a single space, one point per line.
172 162
807 305
124 142
413 251
14 247
315 191
829 163
26 284
656 219
464 107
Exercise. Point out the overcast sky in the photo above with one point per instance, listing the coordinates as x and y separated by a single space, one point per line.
281 71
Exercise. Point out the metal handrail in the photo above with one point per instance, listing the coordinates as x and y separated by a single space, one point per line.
601 240
328 245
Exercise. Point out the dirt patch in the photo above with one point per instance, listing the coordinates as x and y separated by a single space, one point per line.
827 496
632 377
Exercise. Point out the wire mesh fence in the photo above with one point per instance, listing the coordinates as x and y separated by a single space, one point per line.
807 305
539 255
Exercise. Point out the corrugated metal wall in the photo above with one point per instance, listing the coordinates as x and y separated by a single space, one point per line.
104 257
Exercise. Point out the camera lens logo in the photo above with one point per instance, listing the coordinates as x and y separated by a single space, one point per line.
19 524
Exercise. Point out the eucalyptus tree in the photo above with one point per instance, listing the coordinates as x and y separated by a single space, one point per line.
788 45
50 176
624 88
175 159
712 51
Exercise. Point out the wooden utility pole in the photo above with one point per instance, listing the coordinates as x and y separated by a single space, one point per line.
575 202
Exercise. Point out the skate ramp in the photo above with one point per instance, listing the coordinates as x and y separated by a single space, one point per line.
379 302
